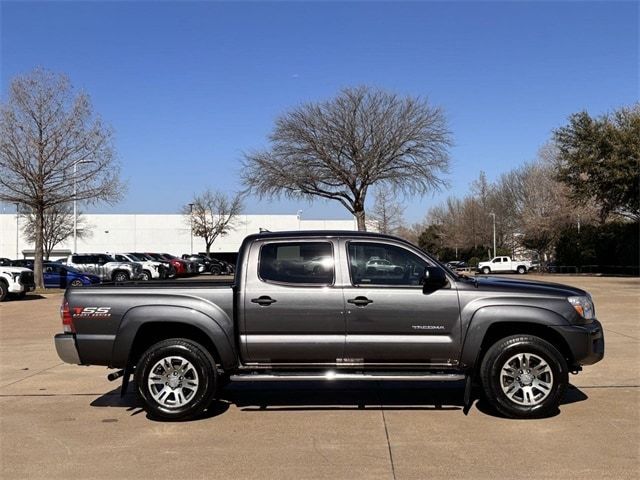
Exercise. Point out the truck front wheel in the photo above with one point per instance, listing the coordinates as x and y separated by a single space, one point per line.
524 376
176 379
486 270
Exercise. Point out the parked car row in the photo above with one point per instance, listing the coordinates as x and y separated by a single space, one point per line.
16 276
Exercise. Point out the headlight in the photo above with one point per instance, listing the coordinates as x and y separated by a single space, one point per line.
584 307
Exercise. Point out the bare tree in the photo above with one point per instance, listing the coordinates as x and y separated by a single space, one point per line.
51 140
339 148
387 211
57 226
212 214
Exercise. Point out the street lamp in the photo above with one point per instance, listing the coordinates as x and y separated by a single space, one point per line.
494 233
299 216
191 224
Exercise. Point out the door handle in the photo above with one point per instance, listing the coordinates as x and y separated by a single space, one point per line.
263 301
360 301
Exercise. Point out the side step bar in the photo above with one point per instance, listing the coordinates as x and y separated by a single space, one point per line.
331 375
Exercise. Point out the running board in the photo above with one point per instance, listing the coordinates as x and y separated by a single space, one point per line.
330 375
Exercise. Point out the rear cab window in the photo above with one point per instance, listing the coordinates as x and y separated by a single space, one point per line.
297 263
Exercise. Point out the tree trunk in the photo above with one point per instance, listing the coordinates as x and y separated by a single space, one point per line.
208 250
360 218
37 261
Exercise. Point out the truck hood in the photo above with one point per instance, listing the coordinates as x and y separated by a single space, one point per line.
496 284
14 269
131 265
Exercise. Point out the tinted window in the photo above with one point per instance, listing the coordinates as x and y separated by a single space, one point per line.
497 260
82 259
297 262
380 264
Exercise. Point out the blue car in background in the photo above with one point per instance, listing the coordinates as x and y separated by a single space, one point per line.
62 276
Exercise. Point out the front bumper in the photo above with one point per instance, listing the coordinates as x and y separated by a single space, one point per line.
66 348
585 341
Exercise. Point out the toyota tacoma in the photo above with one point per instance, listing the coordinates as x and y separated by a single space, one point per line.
284 319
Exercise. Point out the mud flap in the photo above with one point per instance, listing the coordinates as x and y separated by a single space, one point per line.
468 401
125 380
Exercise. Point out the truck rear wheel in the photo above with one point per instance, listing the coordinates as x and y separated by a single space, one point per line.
4 289
176 379
524 376
522 269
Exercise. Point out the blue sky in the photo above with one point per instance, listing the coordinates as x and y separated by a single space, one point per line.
189 86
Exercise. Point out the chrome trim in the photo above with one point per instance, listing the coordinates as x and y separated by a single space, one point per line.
332 375
382 338
268 366
279 338
415 338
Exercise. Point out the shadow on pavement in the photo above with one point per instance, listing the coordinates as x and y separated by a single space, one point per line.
315 396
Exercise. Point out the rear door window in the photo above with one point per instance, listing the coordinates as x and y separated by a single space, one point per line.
297 263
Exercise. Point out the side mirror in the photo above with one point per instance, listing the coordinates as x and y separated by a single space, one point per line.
433 279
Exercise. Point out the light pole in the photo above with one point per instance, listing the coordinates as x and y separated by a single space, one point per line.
75 209
494 233
17 227
299 216
75 204
191 224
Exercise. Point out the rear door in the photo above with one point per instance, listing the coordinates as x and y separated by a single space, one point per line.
389 319
293 310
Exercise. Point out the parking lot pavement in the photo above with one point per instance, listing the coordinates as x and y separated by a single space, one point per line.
64 421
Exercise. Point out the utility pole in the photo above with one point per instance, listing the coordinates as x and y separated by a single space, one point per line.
191 224
299 216
494 233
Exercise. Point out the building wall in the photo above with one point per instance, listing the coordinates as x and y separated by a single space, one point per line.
159 233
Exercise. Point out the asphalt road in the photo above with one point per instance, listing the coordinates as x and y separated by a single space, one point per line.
64 421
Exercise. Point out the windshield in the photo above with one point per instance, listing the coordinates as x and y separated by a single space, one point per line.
136 258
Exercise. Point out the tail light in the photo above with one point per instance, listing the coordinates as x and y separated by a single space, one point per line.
67 319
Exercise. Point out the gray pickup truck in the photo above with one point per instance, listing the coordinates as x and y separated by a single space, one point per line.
322 305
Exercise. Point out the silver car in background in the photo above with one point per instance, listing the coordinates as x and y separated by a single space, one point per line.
105 267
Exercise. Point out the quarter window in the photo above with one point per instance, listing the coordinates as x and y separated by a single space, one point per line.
382 264
297 263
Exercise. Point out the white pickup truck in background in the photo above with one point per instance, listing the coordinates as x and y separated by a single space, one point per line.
503 265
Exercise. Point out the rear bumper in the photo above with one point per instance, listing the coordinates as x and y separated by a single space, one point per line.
585 341
66 348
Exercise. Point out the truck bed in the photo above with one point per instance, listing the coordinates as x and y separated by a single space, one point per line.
102 312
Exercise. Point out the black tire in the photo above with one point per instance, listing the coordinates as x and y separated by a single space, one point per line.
4 289
202 363
146 276
486 270
521 269
491 374
76 283
120 276
215 270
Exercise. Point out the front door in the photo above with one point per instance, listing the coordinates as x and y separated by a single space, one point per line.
389 317
293 313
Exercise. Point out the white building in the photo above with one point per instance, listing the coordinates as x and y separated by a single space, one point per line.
154 233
